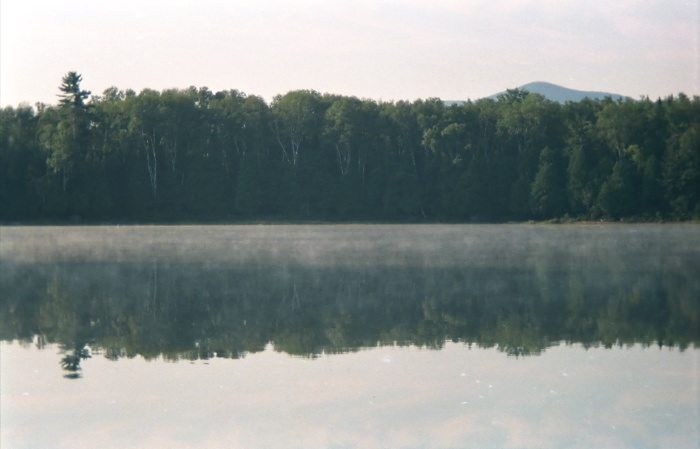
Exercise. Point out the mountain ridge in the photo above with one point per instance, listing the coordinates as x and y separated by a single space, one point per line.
561 94
554 92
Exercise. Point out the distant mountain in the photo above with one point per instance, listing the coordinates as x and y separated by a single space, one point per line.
562 94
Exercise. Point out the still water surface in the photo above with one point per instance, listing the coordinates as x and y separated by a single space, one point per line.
350 336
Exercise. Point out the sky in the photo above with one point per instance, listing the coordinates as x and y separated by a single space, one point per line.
385 50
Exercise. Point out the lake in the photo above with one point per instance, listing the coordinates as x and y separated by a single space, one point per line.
350 336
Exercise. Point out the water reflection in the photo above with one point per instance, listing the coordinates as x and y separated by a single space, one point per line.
199 293
72 359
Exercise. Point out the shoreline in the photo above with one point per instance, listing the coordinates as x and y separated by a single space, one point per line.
335 223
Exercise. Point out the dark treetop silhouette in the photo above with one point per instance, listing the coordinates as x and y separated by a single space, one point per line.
197 156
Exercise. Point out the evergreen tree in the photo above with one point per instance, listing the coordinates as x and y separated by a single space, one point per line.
548 192
71 94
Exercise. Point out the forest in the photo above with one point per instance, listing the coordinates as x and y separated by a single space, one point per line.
191 155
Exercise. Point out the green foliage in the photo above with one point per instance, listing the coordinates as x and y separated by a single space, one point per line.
194 155
617 196
681 174
197 310
71 95
548 192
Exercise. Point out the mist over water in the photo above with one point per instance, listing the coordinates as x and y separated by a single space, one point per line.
510 317
472 278
330 245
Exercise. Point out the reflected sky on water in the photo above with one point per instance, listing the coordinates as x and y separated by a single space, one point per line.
382 397
350 336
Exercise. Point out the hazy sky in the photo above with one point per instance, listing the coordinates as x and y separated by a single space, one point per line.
379 49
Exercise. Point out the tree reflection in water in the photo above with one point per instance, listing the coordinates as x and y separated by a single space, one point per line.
71 360
521 302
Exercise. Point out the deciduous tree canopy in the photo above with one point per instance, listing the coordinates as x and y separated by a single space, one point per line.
195 155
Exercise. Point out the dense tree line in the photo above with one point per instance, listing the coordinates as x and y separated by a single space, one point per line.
195 155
